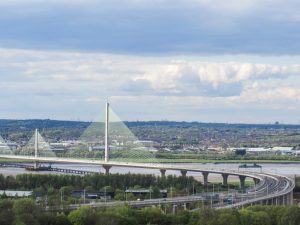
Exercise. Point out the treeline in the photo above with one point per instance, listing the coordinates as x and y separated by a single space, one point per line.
227 156
95 181
11 125
26 212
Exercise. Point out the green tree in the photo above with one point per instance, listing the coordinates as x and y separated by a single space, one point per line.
6 213
119 195
291 216
152 216
26 219
61 219
249 217
228 217
24 206
155 192
82 216
25 211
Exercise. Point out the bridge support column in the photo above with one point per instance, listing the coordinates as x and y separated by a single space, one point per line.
256 181
281 200
174 209
163 172
205 178
289 198
36 165
225 179
183 173
242 182
107 168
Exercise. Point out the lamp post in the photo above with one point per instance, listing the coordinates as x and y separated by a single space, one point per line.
105 194
83 196
61 198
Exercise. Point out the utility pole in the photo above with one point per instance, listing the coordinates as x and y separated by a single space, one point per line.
106 132
83 196
193 189
105 193
61 199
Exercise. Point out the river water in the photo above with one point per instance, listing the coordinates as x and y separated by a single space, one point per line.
291 169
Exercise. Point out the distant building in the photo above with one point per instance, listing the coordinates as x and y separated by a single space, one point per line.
214 149
284 150
259 151
266 151
141 193
17 194
93 195
145 143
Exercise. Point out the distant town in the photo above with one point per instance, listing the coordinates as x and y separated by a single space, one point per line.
211 140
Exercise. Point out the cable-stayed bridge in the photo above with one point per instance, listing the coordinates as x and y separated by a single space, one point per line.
122 149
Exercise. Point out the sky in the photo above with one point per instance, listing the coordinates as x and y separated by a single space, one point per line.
184 60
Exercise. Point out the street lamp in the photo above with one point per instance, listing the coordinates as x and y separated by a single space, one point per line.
61 197
105 194
83 196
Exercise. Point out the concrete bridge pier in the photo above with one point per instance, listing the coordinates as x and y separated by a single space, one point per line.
107 168
225 179
256 181
175 209
291 198
242 182
163 172
36 165
183 173
280 199
287 199
205 178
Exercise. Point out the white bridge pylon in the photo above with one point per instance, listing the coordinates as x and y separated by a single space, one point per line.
106 132
36 143
109 139
37 147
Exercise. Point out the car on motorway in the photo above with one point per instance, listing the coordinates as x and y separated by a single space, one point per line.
229 200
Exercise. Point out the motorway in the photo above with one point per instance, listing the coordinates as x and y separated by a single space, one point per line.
271 188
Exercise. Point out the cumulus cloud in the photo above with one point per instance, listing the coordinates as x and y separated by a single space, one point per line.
70 83
192 78
269 94
139 75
